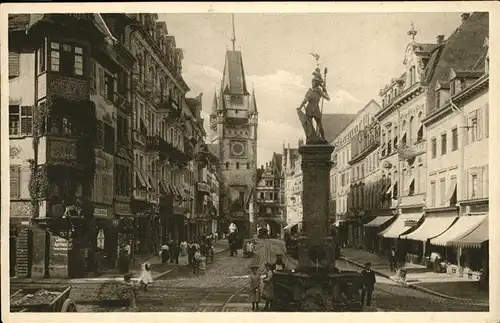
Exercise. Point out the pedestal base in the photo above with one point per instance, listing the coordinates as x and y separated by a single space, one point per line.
316 255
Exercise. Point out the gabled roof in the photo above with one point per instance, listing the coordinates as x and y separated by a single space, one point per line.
463 50
335 123
233 80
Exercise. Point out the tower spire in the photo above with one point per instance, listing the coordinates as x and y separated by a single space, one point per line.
233 40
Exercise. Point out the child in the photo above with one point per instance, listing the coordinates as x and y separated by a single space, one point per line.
255 288
146 277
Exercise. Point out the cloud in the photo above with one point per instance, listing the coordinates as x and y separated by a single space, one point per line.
277 95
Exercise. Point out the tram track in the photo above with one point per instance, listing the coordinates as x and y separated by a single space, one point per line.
211 300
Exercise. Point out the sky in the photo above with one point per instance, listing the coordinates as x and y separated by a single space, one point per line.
362 52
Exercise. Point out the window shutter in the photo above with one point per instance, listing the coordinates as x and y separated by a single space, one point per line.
15 183
486 117
479 131
13 64
101 81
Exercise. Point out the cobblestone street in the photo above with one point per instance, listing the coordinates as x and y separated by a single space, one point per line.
223 288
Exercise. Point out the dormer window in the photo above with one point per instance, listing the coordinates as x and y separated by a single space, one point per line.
437 99
457 86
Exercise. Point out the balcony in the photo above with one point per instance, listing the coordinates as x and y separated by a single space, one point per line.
121 102
417 149
153 143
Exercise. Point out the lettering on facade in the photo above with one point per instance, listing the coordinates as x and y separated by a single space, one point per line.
61 247
100 212
62 150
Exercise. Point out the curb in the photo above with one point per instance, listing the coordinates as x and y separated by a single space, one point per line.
416 286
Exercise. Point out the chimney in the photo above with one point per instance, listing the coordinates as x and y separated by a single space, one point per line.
465 16
440 39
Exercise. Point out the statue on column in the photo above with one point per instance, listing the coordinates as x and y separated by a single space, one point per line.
312 110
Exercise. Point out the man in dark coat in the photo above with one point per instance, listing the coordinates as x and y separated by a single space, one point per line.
368 284
393 258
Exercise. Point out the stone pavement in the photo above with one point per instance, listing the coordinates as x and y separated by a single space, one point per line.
439 284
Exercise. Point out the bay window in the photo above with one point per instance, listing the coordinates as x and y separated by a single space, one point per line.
66 59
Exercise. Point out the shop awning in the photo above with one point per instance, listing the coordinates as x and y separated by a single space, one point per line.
378 221
290 225
402 224
475 238
164 188
141 178
389 191
432 227
151 182
461 228
451 190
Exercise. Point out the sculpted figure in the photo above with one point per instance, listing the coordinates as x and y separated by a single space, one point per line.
312 111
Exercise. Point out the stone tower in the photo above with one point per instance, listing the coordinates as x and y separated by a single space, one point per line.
233 128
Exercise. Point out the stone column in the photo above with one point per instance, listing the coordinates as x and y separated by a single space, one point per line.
316 166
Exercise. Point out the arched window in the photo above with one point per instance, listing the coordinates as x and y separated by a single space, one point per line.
237 165
420 133
411 129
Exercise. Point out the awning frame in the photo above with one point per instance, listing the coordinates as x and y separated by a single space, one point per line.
462 241
444 240
424 225
141 178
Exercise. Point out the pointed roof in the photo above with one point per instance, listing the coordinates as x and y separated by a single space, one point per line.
335 123
233 80
462 51
214 103
254 102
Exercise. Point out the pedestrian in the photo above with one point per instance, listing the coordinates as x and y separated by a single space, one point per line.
268 289
196 261
191 252
368 284
435 259
124 261
392 259
175 252
146 277
171 250
255 288
165 253
279 265
184 247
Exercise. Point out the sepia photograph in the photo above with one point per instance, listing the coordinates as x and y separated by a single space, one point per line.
246 162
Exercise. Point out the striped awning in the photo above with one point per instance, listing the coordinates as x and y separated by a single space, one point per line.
475 238
403 223
432 227
378 221
464 226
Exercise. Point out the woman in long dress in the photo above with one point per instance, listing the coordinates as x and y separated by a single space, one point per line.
268 289
255 289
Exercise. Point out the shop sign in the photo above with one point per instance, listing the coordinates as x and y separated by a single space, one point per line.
122 209
203 187
61 247
410 223
100 213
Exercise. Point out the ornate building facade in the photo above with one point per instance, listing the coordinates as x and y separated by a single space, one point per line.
233 124
268 202
63 118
